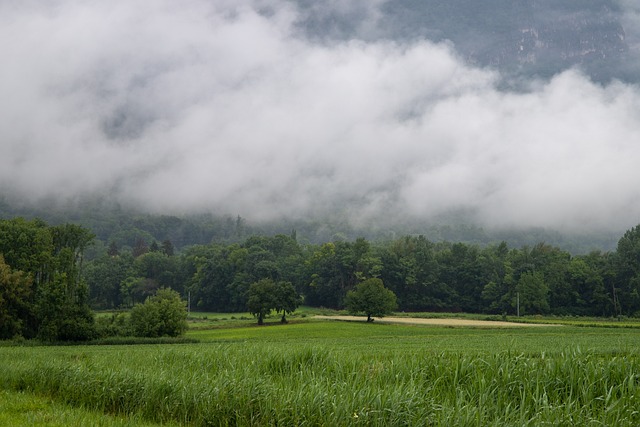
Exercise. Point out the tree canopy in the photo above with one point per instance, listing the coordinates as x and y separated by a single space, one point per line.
265 296
371 298
44 294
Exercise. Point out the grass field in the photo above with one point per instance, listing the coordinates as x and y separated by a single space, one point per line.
19 409
336 373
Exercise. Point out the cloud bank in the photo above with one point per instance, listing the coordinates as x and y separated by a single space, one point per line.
225 106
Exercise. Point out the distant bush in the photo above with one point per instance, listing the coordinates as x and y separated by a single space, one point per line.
162 315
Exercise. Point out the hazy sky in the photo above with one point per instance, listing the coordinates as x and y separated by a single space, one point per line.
224 105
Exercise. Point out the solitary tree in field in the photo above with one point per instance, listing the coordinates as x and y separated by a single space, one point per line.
287 299
266 295
262 298
371 298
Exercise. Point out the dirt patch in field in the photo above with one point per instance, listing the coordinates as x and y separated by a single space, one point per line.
438 322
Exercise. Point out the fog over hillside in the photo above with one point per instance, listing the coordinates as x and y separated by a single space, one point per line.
520 38
379 111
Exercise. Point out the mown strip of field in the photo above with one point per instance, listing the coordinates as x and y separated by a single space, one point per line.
453 322
337 373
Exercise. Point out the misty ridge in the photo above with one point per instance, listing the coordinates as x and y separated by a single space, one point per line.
519 38
374 115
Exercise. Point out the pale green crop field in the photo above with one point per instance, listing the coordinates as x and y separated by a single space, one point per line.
336 373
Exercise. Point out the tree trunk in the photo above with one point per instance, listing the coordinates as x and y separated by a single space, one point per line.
260 320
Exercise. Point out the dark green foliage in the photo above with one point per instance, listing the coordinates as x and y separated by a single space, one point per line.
262 298
105 276
113 249
122 280
371 298
26 246
54 308
215 278
164 314
167 248
425 276
266 295
286 299
627 267
60 318
409 269
533 293
224 273
461 271
140 248
158 268
116 325
15 294
336 267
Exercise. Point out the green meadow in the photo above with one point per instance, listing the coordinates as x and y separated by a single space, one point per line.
333 373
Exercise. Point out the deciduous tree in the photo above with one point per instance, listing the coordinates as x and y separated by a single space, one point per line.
262 298
287 299
15 295
371 298
534 293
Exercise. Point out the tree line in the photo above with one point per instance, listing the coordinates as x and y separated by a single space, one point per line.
49 289
425 276
42 291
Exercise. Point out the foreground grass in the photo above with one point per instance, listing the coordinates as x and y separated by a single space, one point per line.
334 373
18 409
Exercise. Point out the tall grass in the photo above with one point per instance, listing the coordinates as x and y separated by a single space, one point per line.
19 409
264 383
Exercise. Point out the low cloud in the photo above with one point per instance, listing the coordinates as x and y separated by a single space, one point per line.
225 106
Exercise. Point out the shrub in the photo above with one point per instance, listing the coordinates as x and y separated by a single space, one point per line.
164 314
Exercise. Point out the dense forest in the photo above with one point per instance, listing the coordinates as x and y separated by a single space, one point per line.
425 276
48 286
43 294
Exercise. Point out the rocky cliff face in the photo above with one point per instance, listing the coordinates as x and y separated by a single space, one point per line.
519 37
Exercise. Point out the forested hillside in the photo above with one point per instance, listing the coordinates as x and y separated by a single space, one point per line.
127 227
